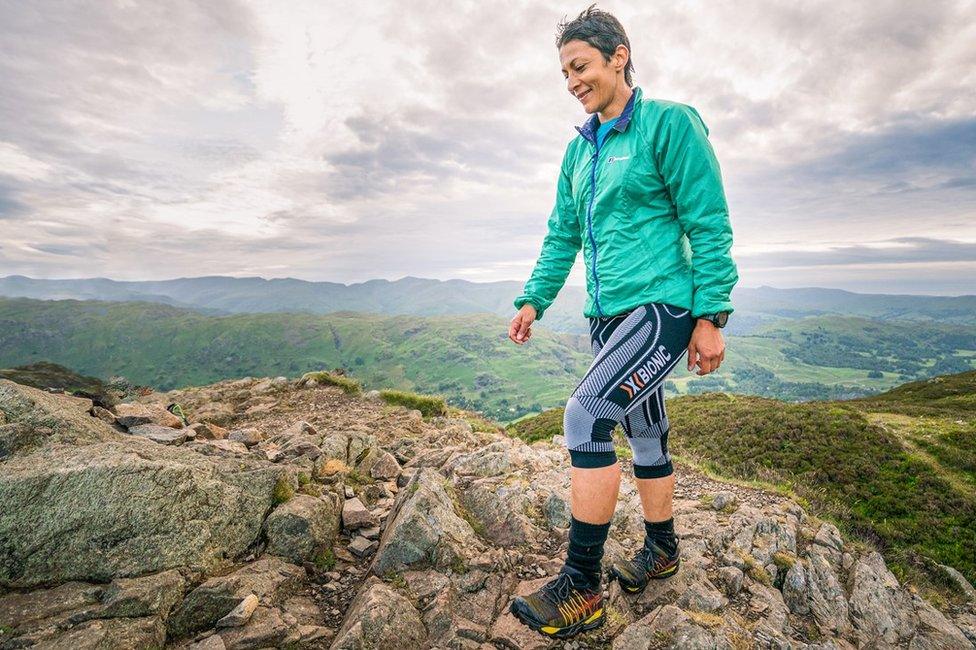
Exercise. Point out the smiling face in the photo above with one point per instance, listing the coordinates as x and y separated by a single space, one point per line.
593 80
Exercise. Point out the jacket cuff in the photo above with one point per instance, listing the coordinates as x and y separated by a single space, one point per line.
702 309
524 299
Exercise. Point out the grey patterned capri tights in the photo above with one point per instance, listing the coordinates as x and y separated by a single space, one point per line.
634 353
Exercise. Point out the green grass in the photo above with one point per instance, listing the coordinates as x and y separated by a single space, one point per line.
540 427
347 384
429 405
325 560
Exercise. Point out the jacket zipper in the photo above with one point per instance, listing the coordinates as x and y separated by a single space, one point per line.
589 224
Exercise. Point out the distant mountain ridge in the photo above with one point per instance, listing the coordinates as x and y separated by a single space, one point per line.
429 297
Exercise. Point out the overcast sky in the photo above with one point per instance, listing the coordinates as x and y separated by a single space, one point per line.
345 141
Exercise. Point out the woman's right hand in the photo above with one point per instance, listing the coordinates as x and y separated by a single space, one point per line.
521 328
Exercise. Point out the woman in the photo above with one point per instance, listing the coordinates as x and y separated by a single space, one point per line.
640 191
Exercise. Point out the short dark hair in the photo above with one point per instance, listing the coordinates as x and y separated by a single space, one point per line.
599 29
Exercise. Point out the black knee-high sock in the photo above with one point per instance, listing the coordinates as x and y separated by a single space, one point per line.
661 533
586 548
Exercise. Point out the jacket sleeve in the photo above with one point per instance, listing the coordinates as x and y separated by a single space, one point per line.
559 249
691 173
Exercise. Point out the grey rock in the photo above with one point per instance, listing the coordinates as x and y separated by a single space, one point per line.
299 446
501 510
386 467
24 612
379 617
960 581
265 629
125 507
222 447
670 623
425 529
966 622
355 515
207 431
723 501
493 460
730 579
159 434
825 595
215 412
35 417
702 597
155 594
212 642
302 527
830 543
249 437
270 579
334 447
557 511
769 601
934 630
240 614
114 633
370 533
134 414
102 414
881 611
300 428
406 476
796 589
361 547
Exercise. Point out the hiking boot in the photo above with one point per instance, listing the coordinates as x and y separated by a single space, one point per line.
563 607
650 563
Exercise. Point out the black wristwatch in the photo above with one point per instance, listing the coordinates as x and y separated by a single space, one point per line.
718 320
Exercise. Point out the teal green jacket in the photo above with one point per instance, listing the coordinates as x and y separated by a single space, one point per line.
649 211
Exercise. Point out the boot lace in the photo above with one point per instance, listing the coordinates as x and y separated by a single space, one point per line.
566 598
650 559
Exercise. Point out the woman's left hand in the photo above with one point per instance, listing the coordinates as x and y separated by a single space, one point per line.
706 349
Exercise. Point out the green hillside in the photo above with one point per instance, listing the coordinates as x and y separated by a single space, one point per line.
468 359
832 357
887 473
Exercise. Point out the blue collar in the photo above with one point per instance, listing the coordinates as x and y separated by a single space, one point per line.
589 129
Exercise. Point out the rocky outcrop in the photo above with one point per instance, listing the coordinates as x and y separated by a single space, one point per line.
426 529
316 519
33 418
122 508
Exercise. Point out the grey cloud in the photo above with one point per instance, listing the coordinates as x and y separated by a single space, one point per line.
10 207
931 145
899 250
417 149
71 249
73 73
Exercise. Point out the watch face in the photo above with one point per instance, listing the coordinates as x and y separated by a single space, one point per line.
722 317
